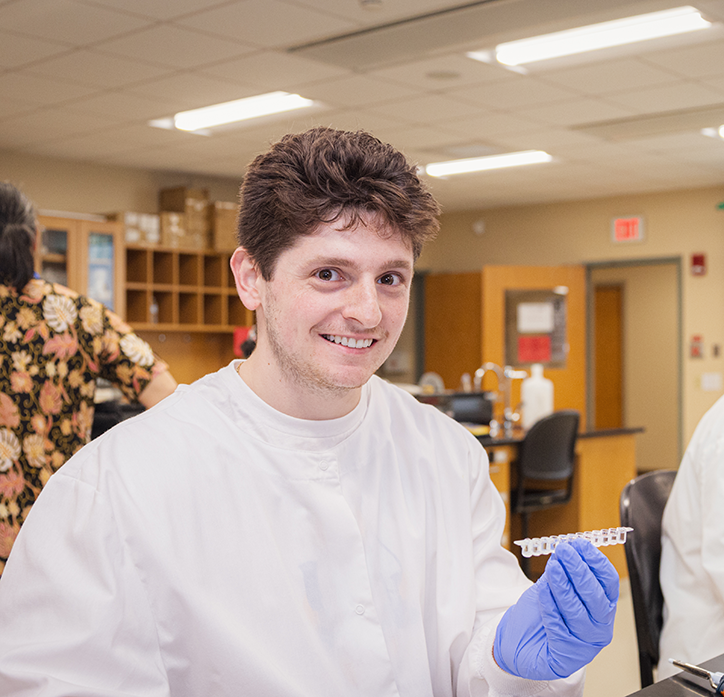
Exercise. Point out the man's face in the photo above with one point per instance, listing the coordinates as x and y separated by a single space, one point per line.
334 308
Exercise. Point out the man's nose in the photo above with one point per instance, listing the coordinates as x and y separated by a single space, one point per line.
362 304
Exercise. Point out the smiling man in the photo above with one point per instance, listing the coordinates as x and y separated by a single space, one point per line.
292 525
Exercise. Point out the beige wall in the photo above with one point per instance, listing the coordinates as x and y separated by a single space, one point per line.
650 364
678 223
80 187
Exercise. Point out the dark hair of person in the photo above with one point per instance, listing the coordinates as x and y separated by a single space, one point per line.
17 237
323 176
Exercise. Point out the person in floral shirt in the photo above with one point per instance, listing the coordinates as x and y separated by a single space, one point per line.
54 345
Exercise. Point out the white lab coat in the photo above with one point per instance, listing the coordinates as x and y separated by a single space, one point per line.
692 550
213 546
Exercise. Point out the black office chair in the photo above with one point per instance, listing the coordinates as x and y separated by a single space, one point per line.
642 507
547 453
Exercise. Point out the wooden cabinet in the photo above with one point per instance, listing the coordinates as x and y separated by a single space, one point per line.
172 289
85 255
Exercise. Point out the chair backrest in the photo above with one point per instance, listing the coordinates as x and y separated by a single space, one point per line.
642 507
548 449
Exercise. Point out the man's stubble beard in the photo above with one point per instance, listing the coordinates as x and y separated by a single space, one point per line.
297 371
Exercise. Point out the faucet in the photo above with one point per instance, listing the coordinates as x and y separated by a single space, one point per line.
505 378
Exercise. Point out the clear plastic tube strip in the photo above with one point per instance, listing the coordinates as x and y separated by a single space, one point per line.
537 546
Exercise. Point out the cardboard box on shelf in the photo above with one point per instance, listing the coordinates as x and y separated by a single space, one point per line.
180 199
175 232
222 217
193 203
138 228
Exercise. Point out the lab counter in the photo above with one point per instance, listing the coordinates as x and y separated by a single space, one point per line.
605 463
683 684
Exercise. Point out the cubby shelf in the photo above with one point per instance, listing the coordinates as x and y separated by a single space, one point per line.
193 291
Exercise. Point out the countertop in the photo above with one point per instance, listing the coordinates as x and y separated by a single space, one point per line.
487 441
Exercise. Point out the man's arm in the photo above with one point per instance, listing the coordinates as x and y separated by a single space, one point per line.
74 616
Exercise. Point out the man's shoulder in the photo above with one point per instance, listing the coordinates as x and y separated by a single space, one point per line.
401 403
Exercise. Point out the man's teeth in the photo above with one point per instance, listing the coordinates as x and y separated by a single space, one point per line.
346 341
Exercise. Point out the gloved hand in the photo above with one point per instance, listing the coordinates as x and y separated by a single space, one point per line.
559 624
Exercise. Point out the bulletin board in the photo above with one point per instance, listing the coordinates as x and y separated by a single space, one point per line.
535 328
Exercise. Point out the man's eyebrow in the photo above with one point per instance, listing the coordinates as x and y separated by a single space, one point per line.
353 264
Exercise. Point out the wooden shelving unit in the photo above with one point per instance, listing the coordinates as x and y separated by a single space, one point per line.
193 290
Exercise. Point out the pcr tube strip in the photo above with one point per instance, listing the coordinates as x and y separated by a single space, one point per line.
536 546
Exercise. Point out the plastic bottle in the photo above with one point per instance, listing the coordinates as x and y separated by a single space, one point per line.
153 310
537 396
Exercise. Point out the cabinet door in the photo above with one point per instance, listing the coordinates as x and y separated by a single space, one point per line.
56 251
101 263
86 256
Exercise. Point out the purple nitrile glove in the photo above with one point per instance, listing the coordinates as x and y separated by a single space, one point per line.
559 624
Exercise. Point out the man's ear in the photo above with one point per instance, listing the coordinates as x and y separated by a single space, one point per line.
246 278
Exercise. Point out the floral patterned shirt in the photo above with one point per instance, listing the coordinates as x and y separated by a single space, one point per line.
54 344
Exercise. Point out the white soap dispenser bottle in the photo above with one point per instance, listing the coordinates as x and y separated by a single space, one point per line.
536 393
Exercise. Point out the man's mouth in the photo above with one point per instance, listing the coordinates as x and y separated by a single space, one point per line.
348 341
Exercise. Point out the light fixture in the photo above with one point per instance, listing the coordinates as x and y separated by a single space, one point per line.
617 32
479 164
239 110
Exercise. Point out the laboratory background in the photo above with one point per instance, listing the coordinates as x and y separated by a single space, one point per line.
582 232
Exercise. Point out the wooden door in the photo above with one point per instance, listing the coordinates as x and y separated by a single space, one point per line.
452 325
569 379
608 356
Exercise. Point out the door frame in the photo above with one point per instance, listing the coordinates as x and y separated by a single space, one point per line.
677 262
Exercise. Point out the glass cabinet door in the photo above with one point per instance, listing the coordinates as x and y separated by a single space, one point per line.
55 251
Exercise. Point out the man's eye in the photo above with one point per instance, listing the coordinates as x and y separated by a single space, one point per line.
327 275
390 279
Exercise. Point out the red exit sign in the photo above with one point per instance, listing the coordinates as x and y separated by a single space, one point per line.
627 229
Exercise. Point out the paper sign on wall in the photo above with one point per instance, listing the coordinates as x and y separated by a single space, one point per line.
535 318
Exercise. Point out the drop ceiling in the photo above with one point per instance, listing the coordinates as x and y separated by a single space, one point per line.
80 79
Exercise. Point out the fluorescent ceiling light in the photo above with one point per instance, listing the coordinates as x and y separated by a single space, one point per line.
239 110
618 32
479 164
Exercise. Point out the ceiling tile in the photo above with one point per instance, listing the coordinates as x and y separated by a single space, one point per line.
681 95
575 112
96 69
16 50
612 76
385 13
428 109
158 9
442 73
190 91
36 127
517 92
491 124
356 90
272 70
549 139
39 90
259 23
15 107
361 119
66 20
700 60
121 106
175 47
